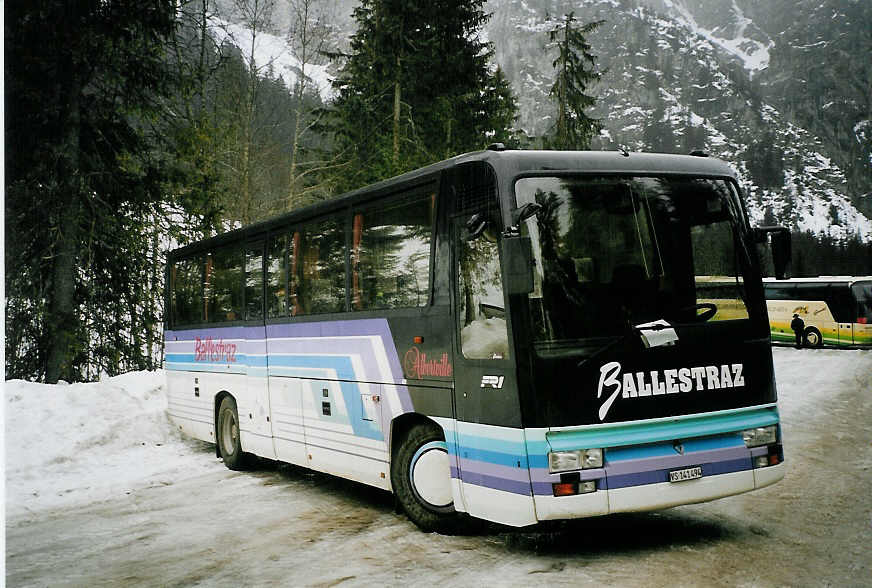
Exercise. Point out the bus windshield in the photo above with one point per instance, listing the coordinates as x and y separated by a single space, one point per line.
617 253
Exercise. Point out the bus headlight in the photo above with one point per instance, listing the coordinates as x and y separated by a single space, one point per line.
760 436
582 459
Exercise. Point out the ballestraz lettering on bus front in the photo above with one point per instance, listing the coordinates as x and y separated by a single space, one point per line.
662 382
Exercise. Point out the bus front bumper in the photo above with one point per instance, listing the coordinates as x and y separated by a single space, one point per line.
655 496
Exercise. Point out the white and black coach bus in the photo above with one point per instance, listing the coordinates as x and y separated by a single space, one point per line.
515 335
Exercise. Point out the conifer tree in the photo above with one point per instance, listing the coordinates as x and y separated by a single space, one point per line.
575 69
82 83
416 87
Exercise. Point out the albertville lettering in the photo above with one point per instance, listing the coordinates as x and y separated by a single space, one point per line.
658 383
418 365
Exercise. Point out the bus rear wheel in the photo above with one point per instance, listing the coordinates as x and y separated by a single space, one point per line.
229 446
813 337
421 479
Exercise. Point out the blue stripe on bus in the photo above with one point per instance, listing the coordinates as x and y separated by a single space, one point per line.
639 433
341 365
616 454
223 368
241 358
489 456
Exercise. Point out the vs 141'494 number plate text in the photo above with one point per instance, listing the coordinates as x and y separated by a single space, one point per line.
685 474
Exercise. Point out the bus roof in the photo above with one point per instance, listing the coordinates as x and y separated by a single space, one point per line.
848 280
507 164
620 162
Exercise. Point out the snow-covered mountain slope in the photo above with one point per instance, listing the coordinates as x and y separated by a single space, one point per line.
271 55
681 75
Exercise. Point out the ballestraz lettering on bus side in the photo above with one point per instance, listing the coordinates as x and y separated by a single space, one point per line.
211 350
661 382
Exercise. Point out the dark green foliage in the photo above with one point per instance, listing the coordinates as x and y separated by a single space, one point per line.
416 88
815 255
82 83
575 71
123 139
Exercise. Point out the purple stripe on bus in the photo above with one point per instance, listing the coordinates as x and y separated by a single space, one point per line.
500 484
543 475
542 481
658 476
495 482
362 348
348 328
650 470
215 333
758 451
483 468
543 489
676 461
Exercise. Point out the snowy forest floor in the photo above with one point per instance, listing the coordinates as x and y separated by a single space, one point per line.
101 490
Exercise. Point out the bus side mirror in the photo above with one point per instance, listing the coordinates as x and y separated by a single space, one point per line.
781 248
518 264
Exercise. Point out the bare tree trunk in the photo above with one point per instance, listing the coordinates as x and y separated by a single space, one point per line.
310 32
152 299
256 15
62 323
396 151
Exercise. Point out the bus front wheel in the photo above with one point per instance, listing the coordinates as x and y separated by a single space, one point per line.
421 479
813 337
229 445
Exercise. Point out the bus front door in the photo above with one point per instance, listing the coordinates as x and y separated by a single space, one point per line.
491 446
253 407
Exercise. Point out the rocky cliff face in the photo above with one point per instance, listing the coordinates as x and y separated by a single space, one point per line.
780 89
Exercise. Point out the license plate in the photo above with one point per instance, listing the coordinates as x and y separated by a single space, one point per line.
685 474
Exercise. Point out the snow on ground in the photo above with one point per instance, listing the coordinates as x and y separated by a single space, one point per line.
72 444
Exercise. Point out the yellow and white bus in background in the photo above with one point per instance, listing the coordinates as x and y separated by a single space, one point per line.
836 310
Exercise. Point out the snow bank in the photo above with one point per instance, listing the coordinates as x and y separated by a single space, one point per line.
68 443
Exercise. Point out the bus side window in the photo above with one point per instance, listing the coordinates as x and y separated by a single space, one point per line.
390 255
254 282
842 304
318 268
185 283
222 287
483 332
277 276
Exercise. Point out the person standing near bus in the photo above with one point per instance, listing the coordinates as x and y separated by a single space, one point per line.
798 326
